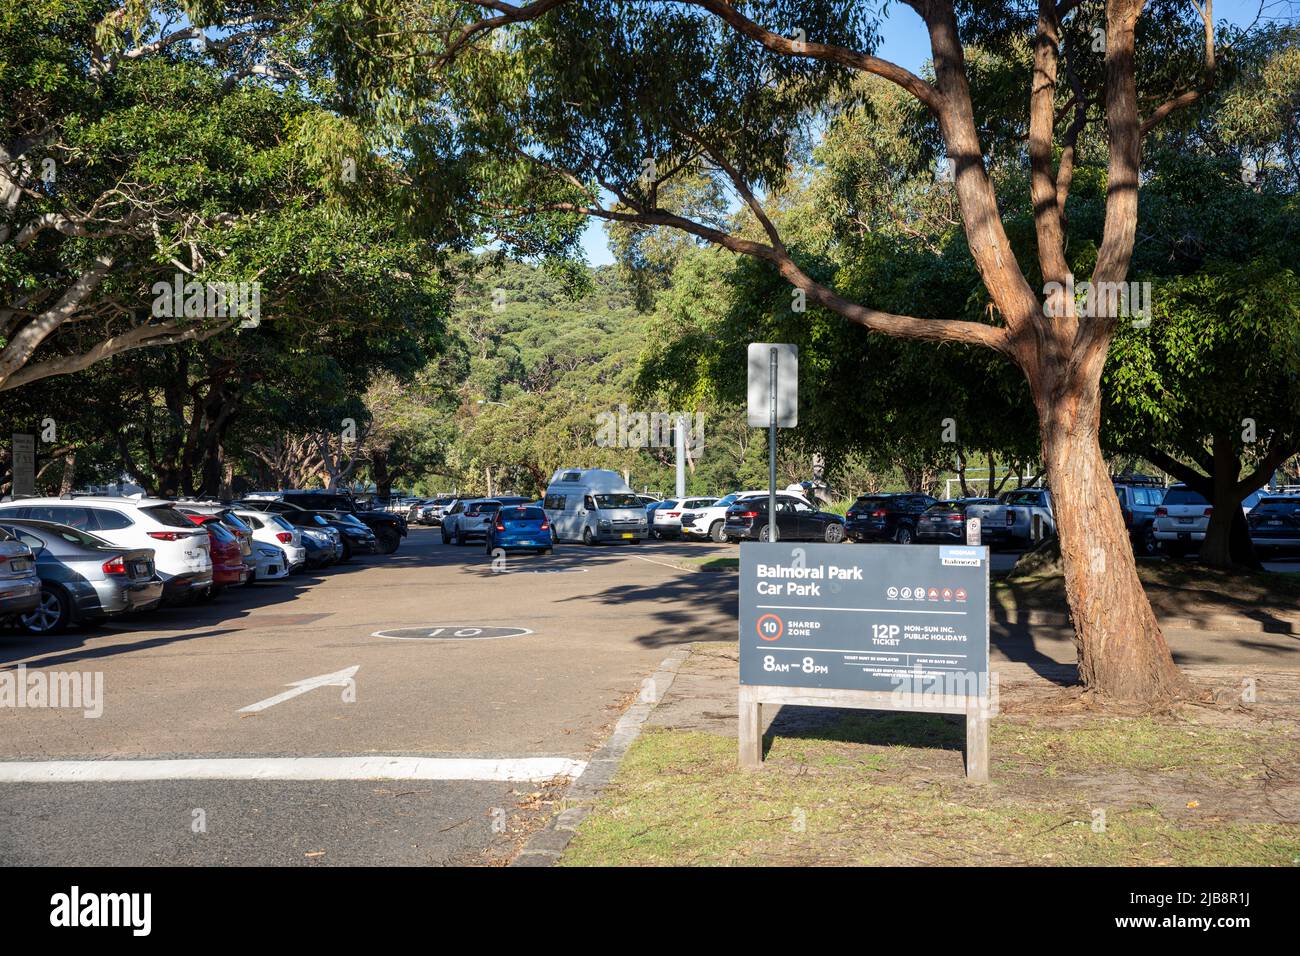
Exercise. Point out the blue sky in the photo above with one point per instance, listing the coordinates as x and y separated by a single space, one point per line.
903 40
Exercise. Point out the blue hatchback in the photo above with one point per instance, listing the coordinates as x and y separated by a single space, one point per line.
519 527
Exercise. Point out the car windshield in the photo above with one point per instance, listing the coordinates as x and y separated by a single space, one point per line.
726 500
605 502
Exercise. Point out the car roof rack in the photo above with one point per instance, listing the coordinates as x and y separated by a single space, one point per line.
1136 478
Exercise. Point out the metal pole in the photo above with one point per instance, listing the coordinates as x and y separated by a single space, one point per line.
771 450
680 446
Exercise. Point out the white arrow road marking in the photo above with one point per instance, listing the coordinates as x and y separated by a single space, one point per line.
370 767
337 679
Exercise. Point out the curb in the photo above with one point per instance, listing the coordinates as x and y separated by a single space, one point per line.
1211 622
545 846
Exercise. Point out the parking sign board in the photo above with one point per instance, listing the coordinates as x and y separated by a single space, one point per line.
760 384
884 626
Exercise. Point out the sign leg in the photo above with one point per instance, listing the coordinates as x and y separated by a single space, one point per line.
977 740
751 730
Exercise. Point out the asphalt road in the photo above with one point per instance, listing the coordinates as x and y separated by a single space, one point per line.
176 682
484 721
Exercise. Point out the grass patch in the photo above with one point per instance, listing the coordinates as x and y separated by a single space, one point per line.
833 798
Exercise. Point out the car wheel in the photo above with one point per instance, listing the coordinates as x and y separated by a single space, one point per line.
457 539
903 535
347 552
445 538
587 537
716 532
1147 545
388 541
548 550
765 533
51 615
834 533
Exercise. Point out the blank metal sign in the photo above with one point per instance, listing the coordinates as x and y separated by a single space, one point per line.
787 384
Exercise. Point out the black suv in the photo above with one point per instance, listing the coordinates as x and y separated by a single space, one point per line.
1139 496
886 517
389 527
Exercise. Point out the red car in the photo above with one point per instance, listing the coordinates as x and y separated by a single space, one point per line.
228 566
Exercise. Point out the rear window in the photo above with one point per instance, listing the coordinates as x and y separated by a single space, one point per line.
1278 506
169 516
523 514
1024 498
873 502
1184 496
944 507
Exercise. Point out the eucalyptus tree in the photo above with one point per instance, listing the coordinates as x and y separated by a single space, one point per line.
562 108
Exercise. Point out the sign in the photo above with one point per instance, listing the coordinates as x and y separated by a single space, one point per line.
973 532
889 627
760 382
24 465
451 632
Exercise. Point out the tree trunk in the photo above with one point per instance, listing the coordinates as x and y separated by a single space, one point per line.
69 473
1122 653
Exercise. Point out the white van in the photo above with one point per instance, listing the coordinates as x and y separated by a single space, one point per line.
594 504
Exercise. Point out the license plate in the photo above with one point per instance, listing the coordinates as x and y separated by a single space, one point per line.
1185 520
19 564
191 554
629 535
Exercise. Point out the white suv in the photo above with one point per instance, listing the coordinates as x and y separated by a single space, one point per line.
1182 519
709 522
181 549
272 531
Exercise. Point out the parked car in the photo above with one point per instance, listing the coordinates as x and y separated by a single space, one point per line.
389 527
20 585
1274 524
323 542
1139 497
82 578
710 522
1181 520
233 523
522 526
228 567
434 512
181 550
1021 518
944 522
272 530
796 520
886 517
666 520
468 518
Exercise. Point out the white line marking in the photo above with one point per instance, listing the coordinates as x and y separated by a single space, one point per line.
291 768
660 563
338 679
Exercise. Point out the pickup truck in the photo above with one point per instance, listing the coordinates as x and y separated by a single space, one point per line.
1020 518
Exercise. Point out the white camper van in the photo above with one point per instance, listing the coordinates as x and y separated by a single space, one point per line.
593 504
